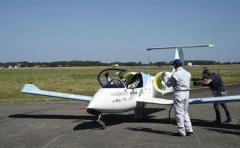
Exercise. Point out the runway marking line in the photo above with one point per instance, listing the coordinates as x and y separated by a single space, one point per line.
52 141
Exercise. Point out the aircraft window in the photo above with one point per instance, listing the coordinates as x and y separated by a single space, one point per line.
115 83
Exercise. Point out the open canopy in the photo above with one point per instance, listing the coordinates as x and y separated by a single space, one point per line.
110 74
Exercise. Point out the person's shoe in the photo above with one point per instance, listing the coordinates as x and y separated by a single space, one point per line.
189 133
228 120
179 134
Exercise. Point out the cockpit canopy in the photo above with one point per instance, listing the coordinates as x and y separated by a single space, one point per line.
112 75
119 78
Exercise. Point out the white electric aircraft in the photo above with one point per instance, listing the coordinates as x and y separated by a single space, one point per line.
121 90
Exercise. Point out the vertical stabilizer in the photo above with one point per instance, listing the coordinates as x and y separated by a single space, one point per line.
176 54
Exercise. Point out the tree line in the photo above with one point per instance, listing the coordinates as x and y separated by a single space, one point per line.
98 63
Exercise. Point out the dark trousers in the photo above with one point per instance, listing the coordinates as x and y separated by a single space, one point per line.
218 115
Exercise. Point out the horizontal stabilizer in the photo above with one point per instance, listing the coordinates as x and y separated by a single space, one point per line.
174 47
32 89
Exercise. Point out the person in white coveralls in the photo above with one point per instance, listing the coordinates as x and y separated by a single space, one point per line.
180 81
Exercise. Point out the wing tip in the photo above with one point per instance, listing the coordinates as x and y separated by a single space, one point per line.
29 88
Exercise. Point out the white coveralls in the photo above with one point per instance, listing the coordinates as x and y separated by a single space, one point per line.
180 81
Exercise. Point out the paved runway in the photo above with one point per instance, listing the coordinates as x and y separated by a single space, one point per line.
68 125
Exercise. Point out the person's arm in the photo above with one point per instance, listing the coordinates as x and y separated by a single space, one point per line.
134 84
206 81
169 81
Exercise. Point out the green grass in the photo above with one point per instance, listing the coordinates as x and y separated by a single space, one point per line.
81 80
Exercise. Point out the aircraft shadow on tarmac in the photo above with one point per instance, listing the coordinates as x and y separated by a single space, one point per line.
44 116
111 119
114 119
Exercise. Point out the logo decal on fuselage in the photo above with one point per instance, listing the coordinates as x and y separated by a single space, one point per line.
138 91
124 96
119 96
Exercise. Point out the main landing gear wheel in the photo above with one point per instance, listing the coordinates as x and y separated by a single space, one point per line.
102 124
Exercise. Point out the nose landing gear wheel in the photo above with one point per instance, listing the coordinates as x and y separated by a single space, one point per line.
102 124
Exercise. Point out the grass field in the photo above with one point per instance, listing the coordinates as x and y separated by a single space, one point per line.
81 80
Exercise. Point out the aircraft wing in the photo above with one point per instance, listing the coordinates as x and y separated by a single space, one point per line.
155 101
214 99
32 89
191 100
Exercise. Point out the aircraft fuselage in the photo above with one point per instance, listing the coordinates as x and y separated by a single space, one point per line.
115 100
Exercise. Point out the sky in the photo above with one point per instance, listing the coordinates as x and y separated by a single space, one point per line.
118 30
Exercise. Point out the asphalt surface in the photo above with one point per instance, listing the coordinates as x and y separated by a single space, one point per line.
68 125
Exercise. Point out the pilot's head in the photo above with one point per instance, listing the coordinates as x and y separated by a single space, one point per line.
177 63
106 74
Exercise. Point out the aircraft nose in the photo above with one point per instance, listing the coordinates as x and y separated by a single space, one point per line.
101 101
94 103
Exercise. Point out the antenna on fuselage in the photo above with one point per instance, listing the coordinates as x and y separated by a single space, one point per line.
179 50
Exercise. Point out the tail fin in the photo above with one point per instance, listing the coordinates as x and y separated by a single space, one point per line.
179 54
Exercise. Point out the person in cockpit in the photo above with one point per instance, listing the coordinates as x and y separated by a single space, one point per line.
135 81
107 77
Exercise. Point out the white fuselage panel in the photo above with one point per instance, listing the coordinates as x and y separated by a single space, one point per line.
115 100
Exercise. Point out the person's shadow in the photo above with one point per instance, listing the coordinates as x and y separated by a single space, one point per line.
149 130
223 128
